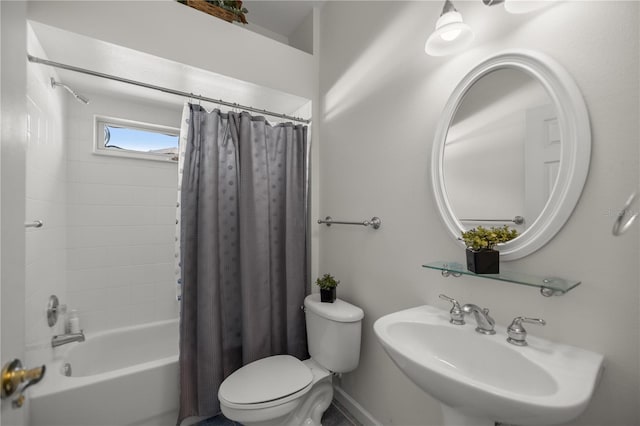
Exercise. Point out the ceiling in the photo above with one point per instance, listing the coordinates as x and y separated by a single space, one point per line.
85 52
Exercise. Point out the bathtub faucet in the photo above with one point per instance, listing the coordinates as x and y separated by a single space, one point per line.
63 339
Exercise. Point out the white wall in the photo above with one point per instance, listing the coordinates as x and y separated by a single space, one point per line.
121 222
174 31
13 142
302 37
45 199
382 98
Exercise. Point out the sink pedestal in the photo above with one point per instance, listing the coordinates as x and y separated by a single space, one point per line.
453 417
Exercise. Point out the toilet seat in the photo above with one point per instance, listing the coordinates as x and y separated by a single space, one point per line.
267 382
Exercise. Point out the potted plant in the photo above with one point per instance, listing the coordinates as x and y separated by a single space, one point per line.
229 10
480 242
327 286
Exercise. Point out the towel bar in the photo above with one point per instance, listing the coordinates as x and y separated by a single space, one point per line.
374 222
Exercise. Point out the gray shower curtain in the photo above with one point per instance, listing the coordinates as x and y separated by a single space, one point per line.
243 249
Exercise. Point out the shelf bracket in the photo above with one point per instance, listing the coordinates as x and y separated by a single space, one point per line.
447 273
547 291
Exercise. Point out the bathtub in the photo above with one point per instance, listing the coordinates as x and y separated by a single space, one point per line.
125 376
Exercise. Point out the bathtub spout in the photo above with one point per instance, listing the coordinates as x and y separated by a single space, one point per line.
63 339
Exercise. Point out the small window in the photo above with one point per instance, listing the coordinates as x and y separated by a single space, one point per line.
126 138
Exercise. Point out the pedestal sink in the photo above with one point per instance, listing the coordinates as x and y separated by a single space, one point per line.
482 379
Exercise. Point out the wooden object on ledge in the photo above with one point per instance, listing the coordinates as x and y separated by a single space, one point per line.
216 11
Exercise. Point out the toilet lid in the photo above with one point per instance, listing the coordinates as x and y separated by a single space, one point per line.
265 380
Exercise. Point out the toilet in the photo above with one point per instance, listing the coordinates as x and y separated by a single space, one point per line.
283 391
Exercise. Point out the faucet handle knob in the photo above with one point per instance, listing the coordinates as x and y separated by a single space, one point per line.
449 299
516 332
517 321
457 316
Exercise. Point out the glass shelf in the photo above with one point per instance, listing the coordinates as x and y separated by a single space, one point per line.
548 286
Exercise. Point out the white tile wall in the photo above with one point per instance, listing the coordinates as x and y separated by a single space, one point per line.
45 271
120 222
107 245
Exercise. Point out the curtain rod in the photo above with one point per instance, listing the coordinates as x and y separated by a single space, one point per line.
163 89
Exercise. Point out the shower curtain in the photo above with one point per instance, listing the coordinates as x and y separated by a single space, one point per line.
243 249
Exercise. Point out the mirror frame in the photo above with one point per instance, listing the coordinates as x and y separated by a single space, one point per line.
575 149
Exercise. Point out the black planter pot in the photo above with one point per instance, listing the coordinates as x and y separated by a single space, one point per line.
483 261
328 295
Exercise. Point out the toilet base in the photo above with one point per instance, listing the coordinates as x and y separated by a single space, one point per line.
315 403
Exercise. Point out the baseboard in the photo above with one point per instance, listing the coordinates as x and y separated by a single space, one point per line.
356 410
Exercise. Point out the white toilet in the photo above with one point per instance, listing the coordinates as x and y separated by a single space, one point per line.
282 390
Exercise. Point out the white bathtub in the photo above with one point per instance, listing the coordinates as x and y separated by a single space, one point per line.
126 376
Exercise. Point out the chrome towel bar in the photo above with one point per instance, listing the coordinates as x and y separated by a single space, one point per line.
374 222
518 220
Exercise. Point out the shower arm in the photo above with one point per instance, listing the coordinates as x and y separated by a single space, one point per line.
78 97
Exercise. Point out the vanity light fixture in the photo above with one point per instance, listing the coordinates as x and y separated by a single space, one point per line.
451 34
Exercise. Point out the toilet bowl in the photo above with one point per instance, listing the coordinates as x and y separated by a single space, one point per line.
283 391
279 390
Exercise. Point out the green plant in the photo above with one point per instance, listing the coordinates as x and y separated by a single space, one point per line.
233 6
482 238
327 282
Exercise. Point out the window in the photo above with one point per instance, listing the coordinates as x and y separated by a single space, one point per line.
126 138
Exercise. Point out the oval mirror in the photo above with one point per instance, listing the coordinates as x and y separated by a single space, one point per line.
512 148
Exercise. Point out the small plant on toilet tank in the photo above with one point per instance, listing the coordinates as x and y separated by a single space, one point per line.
327 284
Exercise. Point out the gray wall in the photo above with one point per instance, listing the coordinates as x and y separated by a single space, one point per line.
381 101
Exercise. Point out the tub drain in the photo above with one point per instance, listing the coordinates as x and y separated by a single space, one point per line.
66 370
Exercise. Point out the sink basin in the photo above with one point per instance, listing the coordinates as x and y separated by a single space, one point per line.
482 379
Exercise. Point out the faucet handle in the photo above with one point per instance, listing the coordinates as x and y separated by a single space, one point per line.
516 332
457 316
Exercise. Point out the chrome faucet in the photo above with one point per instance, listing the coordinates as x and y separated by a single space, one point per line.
63 339
484 322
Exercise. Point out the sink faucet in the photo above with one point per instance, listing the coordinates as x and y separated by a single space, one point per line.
63 339
484 322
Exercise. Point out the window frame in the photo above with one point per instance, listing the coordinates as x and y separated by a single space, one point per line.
99 122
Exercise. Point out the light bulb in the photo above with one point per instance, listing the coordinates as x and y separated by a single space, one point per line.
451 35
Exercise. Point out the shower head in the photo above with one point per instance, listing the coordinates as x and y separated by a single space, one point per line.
79 97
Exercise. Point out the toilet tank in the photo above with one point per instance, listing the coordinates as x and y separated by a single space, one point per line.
333 333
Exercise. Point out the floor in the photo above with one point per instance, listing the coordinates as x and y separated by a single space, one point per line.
336 415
